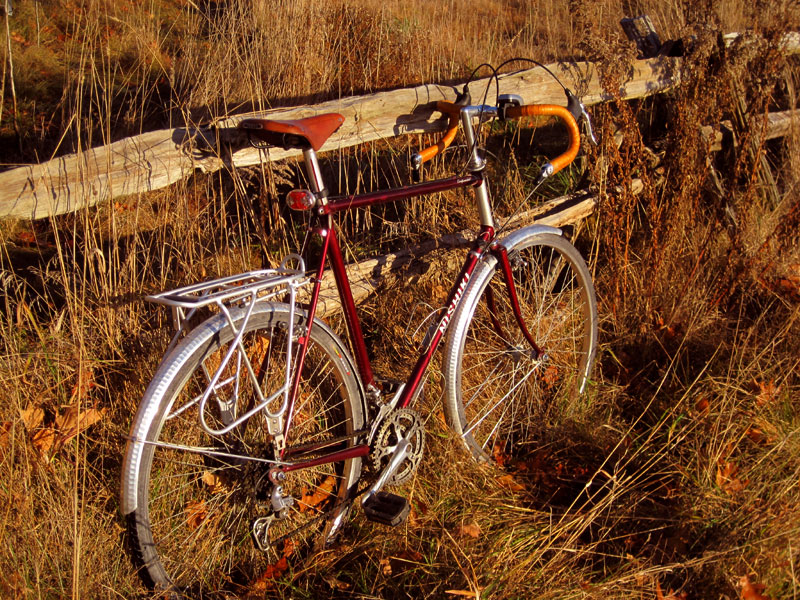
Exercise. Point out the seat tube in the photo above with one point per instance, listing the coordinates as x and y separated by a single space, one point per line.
314 172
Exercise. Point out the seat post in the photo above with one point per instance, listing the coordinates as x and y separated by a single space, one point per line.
314 173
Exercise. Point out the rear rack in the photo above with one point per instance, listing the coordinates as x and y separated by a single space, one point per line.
241 291
262 284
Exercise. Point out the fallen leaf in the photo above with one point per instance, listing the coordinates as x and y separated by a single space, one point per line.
322 493
19 39
26 238
409 556
43 440
75 421
84 384
537 468
32 417
755 435
337 584
665 330
417 513
499 454
214 482
550 376
386 566
196 512
752 591
727 479
767 392
288 548
472 530
508 482
702 405
266 580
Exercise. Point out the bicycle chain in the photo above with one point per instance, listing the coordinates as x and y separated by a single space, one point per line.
326 514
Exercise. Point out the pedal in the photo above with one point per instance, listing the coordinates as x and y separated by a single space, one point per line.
386 508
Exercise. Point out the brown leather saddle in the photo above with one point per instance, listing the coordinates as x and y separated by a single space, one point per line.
308 133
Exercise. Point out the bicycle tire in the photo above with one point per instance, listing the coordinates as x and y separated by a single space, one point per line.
190 530
497 394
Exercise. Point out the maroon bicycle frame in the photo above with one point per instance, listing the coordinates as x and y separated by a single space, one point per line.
322 225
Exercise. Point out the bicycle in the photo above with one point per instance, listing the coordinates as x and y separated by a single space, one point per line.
251 442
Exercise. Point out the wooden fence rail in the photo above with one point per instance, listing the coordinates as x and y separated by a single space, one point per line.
157 159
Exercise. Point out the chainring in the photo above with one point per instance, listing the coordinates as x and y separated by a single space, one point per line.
403 423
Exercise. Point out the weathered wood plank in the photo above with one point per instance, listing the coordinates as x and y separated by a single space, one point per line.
779 124
159 158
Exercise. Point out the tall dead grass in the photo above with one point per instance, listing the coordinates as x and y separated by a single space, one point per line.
680 469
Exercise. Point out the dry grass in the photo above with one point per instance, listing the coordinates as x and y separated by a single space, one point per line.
680 469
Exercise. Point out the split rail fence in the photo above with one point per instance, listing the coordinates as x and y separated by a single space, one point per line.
157 159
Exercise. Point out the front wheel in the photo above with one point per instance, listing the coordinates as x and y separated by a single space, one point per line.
200 509
498 388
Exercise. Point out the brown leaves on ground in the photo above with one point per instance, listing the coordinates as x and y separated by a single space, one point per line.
537 469
787 285
84 384
472 530
49 439
508 482
386 567
216 484
702 406
266 581
196 512
727 478
337 584
49 436
400 561
418 514
665 330
761 432
752 591
766 392
670 595
313 500
551 376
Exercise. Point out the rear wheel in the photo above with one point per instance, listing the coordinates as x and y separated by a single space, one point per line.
198 495
497 390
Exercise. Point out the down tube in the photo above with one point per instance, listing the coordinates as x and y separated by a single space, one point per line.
453 300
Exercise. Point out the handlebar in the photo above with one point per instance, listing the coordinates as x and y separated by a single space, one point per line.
454 110
552 110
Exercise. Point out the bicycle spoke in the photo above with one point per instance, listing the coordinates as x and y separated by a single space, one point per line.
204 492
502 393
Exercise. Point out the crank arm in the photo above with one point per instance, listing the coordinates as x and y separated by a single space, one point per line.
400 453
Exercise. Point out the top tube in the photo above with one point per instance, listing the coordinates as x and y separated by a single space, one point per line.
341 203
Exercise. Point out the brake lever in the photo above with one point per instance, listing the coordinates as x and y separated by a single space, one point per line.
578 110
